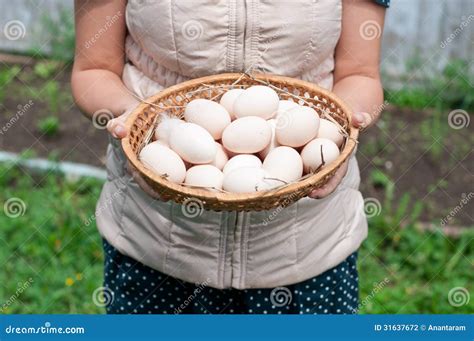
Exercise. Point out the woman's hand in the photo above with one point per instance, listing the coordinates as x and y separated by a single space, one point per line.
356 71
116 126
360 120
118 130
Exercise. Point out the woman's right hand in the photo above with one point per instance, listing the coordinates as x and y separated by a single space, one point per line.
118 130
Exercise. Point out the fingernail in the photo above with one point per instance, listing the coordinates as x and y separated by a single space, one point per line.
119 131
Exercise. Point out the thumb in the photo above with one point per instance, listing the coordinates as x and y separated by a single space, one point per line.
116 126
361 119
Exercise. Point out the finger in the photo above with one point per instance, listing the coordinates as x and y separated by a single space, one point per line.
331 185
361 119
117 128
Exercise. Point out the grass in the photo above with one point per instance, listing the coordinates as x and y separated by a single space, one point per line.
51 246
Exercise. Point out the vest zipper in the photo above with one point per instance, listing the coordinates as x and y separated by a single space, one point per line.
244 46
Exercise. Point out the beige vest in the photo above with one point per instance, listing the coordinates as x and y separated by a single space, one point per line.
172 41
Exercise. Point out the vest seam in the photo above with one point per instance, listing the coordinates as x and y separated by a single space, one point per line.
230 37
244 249
173 36
222 251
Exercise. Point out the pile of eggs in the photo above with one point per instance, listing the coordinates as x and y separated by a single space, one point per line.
249 141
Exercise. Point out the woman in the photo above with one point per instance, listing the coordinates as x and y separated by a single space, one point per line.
160 259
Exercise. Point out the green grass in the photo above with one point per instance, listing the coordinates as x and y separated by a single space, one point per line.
450 88
51 244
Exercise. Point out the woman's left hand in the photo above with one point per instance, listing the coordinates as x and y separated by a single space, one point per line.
360 120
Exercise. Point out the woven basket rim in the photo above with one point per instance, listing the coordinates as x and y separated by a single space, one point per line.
239 198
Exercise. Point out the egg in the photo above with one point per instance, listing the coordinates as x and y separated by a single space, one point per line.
243 180
193 143
297 126
273 142
206 176
221 157
330 130
316 151
228 99
242 161
257 100
285 105
284 163
163 161
269 183
208 114
247 135
162 131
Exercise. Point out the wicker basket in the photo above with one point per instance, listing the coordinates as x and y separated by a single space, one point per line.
142 121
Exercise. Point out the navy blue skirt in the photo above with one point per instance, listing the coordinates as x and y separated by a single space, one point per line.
134 288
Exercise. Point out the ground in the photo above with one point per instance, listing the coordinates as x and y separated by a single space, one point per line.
415 167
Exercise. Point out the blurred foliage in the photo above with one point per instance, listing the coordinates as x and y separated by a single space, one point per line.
414 269
6 77
51 93
450 89
51 245
61 34
46 69
48 126
63 255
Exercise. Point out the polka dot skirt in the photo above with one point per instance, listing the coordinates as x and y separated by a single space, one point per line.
137 289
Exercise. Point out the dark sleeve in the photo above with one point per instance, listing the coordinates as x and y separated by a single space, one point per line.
384 3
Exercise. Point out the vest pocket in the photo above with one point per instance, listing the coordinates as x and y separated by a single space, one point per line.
193 253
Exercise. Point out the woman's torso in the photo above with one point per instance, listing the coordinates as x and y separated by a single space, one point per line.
172 41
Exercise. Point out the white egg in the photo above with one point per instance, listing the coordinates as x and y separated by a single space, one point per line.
243 180
162 131
284 163
316 151
242 161
330 130
257 100
193 143
228 99
297 126
204 176
163 143
285 105
273 142
208 114
221 157
163 161
247 135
